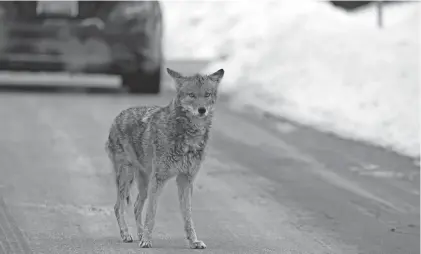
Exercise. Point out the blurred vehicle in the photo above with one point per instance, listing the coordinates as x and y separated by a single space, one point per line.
104 37
355 5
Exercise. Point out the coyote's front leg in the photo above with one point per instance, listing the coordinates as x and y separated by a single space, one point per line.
185 191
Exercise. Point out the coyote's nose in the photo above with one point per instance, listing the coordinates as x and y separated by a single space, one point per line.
201 110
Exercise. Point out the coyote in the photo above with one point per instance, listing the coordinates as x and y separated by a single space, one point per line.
149 145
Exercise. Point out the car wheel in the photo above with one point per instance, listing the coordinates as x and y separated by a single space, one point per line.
142 82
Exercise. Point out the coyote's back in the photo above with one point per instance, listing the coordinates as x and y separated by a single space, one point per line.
129 125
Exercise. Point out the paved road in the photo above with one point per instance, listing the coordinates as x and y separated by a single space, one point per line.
268 186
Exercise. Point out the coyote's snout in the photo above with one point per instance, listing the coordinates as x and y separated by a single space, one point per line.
151 144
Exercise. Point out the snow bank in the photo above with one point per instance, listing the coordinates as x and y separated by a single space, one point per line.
316 65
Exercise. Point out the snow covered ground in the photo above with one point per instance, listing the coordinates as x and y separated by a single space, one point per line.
311 62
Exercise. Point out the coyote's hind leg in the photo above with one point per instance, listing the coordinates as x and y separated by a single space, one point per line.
142 182
124 180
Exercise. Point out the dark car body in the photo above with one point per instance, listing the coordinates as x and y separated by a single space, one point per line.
50 36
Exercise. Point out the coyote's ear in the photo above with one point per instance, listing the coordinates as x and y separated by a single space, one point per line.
174 74
178 78
217 76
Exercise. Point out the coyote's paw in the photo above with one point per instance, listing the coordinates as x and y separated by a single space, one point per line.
197 245
145 243
127 238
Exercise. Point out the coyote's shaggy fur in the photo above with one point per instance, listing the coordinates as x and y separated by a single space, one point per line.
150 144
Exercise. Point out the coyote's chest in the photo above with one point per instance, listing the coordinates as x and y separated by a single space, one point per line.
180 145
189 150
190 137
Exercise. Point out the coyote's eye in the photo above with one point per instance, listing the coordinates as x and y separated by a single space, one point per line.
208 94
191 95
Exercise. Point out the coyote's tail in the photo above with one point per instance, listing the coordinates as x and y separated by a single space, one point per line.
131 156
124 180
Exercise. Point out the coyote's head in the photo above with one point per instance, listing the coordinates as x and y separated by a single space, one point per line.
197 94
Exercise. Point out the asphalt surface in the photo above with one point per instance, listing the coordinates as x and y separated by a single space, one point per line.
267 186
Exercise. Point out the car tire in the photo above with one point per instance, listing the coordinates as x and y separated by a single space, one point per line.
142 82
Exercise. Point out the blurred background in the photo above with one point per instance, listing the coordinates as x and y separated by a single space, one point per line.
316 142
349 67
